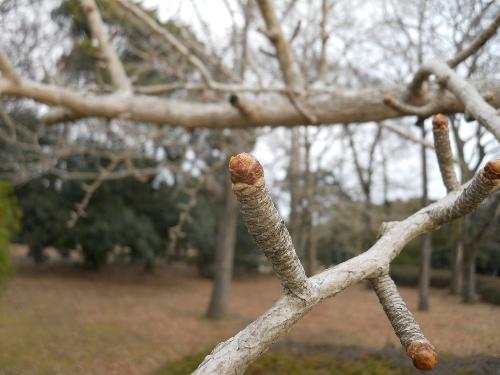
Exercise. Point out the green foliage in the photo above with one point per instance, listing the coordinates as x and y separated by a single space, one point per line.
202 234
282 362
488 287
489 290
9 223
124 212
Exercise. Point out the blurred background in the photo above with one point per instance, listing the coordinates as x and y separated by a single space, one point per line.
110 228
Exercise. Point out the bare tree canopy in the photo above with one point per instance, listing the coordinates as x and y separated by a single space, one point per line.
284 65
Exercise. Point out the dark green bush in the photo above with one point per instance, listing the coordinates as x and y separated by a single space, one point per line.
9 222
489 290
408 276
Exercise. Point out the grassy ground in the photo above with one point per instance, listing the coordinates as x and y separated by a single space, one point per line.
67 321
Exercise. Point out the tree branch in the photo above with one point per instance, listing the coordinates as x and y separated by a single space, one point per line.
474 104
168 37
418 348
234 355
479 41
7 69
443 152
289 67
342 106
265 225
115 66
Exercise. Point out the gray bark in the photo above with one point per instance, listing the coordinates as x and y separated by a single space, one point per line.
226 239
426 239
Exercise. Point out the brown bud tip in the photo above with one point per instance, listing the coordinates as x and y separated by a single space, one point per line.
440 122
245 168
387 99
492 169
423 355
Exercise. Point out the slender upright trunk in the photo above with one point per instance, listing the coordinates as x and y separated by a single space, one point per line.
310 240
226 239
469 284
293 177
457 260
425 244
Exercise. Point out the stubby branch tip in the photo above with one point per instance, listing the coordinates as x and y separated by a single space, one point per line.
245 168
423 355
440 122
492 170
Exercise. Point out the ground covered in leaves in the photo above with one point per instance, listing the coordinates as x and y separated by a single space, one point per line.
62 320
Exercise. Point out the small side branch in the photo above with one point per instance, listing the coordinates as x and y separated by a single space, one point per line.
471 197
167 36
418 348
115 66
443 152
7 69
479 41
474 104
265 224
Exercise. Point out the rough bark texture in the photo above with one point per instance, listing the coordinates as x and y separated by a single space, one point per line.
443 151
418 348
426 239
224 256
343 106
234 355
265 225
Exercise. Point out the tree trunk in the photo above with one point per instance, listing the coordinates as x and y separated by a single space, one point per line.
308 214
293 177
469 276
226 239
425 272
457 261
426 239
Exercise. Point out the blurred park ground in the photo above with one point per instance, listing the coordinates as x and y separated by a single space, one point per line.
60 319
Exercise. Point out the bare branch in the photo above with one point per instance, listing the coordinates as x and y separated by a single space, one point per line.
418 348
234 355
479 41
7 69
289 67
443 152
474 104
405 135
341 106
115 66
265 224
408 109
323 60
167 36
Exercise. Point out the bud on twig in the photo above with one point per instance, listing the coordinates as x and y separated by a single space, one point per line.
418 348
265 224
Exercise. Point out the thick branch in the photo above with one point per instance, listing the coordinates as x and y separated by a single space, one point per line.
343 106
289 67
7 69
234 355
265 224
115 66
443 152
474 104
